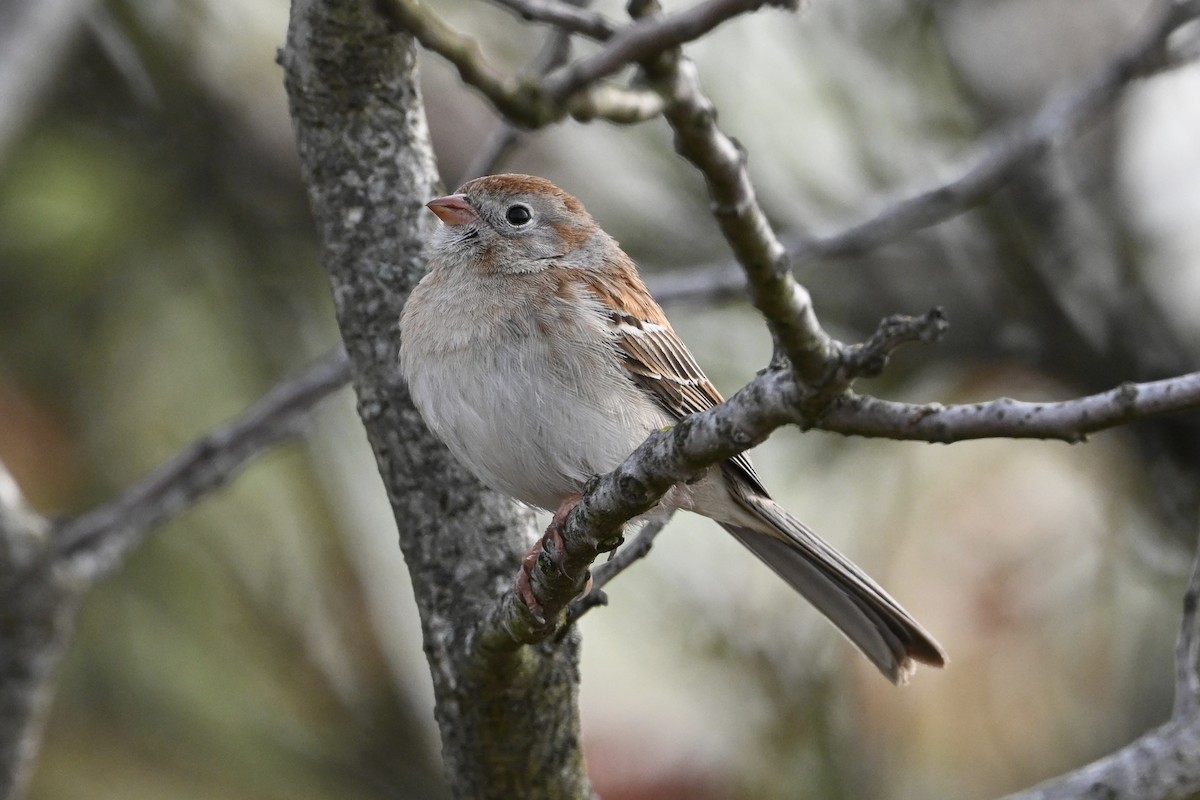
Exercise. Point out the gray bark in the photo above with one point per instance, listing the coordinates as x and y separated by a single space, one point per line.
37 611
508 718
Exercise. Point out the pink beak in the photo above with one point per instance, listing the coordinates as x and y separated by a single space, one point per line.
453 209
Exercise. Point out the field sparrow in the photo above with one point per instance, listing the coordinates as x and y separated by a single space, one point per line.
533 350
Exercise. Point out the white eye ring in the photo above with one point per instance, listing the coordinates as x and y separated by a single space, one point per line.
518 215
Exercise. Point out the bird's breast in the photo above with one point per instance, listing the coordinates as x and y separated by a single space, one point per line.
527 392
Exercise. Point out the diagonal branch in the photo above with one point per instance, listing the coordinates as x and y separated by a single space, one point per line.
534 102
775 398
1060 116
94 543
505 94
988 171
648 39
1162 764
621 560
784 303
564 16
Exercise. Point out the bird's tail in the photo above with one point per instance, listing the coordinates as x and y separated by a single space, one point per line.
861 610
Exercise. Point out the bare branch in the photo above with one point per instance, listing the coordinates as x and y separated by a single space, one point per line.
615 104
1163 764
520 103
36 614
621 560
785 304
1000 160
564 16
646 40
1068 421
94 543
1187 652
775 398
508 137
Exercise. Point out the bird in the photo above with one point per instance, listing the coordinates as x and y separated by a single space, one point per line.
534 351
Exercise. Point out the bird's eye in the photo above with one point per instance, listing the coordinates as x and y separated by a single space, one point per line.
518 215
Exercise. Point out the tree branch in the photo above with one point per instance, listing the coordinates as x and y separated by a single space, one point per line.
989 171
622 559
999 161
648 39
564 16
1068 420
36 612
534 102
775 398
1163 764
368 166
722 161
516 101
94 543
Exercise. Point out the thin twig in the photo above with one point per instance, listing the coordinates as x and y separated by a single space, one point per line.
508 137
645 40
565 16
505 94
94 542
622 559
1187 651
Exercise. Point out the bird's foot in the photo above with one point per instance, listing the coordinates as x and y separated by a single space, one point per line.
552 542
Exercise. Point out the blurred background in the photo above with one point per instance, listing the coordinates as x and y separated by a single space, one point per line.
158 273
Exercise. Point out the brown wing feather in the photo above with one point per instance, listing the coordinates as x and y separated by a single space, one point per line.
656 358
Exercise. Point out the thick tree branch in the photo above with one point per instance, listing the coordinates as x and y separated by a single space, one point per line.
37 609
367 163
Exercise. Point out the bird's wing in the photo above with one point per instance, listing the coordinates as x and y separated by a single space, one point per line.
656 358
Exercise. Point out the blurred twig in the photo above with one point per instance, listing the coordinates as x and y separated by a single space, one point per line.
535 102
565 16
1187 651
94 543
33 39
621 560
648 38
507 136
989 171
999 161
1163 764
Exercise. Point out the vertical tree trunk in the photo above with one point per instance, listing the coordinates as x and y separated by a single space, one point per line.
37 615
509 720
